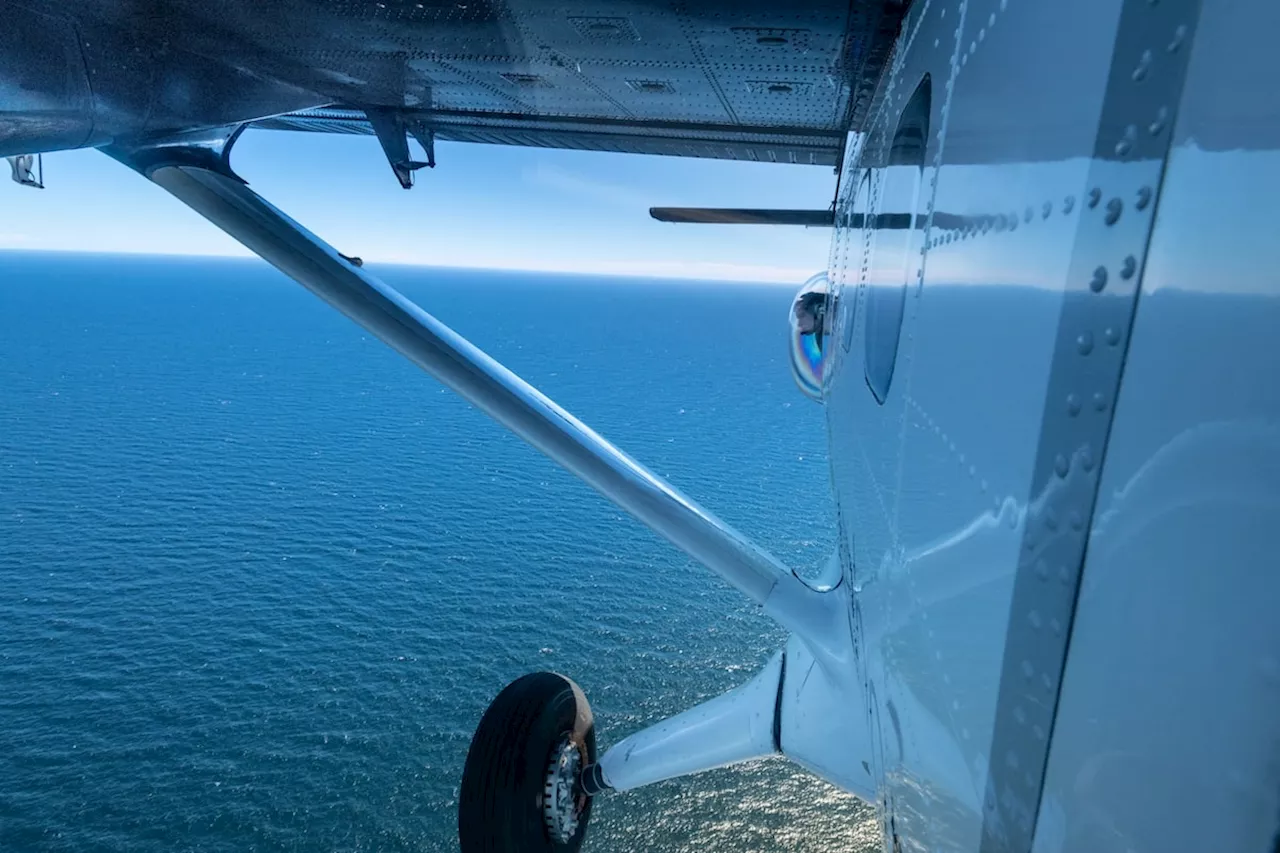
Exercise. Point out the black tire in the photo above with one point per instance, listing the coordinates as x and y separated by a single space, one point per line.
500 804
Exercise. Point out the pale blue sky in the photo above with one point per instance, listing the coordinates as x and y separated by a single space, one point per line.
483 206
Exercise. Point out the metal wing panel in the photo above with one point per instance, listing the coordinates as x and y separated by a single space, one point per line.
754 80
657 92
604 33
726 142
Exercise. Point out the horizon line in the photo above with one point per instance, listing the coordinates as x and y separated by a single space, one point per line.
725 276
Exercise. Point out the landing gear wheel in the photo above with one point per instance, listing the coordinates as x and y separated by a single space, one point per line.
520 791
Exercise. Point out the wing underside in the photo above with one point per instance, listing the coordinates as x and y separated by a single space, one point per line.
803 145
733 80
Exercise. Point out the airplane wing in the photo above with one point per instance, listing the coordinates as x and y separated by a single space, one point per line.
733 80
809 145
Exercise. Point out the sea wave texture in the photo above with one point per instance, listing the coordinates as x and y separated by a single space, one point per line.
259 576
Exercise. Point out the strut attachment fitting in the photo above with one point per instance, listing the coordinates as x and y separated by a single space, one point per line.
393 129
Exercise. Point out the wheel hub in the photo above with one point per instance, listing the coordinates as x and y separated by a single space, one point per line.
561 802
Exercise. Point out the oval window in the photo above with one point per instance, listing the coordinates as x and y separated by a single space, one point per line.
895 229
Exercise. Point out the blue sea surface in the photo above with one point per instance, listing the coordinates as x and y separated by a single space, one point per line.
260 576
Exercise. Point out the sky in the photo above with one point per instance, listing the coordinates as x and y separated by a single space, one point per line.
482 206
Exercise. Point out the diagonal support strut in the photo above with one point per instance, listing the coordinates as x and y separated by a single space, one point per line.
199 175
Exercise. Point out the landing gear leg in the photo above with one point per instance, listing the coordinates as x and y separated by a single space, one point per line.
520 791
532 770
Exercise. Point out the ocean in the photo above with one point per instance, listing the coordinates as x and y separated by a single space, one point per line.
259 576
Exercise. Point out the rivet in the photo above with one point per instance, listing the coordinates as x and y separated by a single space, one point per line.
1061 466
1064 576
1144 198
1034 619
982 34
1037 731
1068 204
1050 520
935 42
1099 401
1128 267
1046 210
1020 715
1073 405
1114 207
1125 145
1086 458
1112 334
1042 570
1095 196
1099 280
1055 626
1179 36
1011 759
1028 670
1084 343
1076 520
1158 124
1144 64
991 19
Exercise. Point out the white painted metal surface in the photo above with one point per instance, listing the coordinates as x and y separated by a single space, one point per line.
822 726
1168 732
736 726
967 484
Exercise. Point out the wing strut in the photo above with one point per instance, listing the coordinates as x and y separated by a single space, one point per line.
199 175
